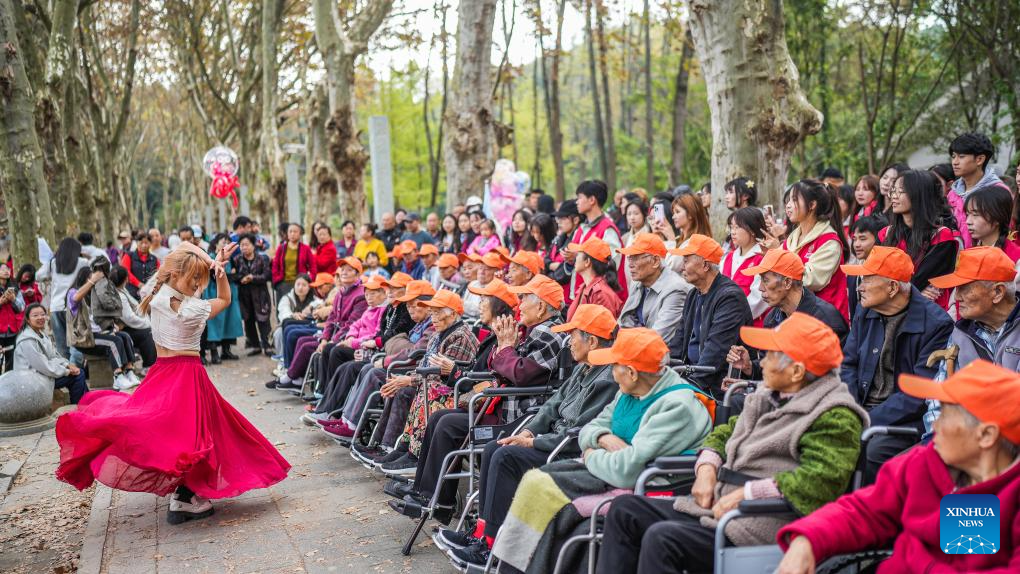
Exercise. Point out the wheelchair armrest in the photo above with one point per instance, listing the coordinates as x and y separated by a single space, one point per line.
478 375
766 506
516 391
426 371
574 432
674 462
533 410
416 354
872 432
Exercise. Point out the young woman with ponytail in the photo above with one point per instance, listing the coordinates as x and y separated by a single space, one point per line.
175 434
818 239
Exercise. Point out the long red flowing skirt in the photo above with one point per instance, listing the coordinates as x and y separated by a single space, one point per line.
174 430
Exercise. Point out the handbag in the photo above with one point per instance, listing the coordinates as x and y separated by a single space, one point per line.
79 327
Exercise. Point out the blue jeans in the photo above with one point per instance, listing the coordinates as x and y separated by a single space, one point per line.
75 384
291 334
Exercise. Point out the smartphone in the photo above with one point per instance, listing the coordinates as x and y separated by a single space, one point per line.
659 212
770 214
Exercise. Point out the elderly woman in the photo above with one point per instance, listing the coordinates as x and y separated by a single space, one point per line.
252 272
35 351
974 452
594 263
655 413
575 403
348 305
797 439
486 268
454 341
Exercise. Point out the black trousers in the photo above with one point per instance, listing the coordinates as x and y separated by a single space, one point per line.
502 469
142 339
880 449
256 333
646 535
333 356
334 394
394 415
444 433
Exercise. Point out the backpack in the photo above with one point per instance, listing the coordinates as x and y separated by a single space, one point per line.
106 304
79 327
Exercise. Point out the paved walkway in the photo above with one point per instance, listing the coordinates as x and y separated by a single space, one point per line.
330 515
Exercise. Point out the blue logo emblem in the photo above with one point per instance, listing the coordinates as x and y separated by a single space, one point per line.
969 524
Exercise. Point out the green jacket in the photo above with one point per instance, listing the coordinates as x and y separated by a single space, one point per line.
678 421
586 392
828 456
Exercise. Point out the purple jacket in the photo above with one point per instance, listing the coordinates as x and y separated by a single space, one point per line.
348 305
366 327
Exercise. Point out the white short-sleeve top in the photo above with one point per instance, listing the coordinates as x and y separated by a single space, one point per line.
179 330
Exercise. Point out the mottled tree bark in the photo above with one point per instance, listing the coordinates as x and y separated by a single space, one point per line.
470 143
759 112
275 190
677 144
21 163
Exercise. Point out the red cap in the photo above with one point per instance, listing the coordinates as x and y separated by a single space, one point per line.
781 261
889 262
593 319
978 264
986 390
641 349
646 243
701 245
803 338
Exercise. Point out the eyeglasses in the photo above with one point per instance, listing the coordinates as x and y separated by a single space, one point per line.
895 193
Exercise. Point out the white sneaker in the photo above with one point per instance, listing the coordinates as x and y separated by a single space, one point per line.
310 418
180 511
134 378
121 382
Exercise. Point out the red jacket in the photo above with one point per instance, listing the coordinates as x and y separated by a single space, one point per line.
902 508
305 261
325 259
598 293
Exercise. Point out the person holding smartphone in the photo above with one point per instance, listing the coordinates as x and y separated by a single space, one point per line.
12 309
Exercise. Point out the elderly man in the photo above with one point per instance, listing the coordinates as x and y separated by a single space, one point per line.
429 255
581 397
716 310
657 297
389 233
432 225
410 262
989 325
893 333
797 439
523 266
974 452
782 289
487 266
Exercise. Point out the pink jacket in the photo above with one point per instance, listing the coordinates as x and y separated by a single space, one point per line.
348 305
481 246
902 508
366 327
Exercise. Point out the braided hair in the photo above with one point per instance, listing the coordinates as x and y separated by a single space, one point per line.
181 262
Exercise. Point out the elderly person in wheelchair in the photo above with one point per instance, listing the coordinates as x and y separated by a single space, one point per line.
797 438
517 361
974 452
575 403
654 414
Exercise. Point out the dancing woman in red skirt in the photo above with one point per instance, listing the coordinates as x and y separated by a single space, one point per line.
175 433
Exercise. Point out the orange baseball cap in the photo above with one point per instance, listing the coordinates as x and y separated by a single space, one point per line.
981 387
889 262
701 245
803 338
641 349
322 279
649 243
408 246
397 252
428 249
374 282
593 319
448 260
504 252
533 261
547 290
781 261
594 247
978 264
469 257
399 279
499 290
352 262
494 260
445 298
415 289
